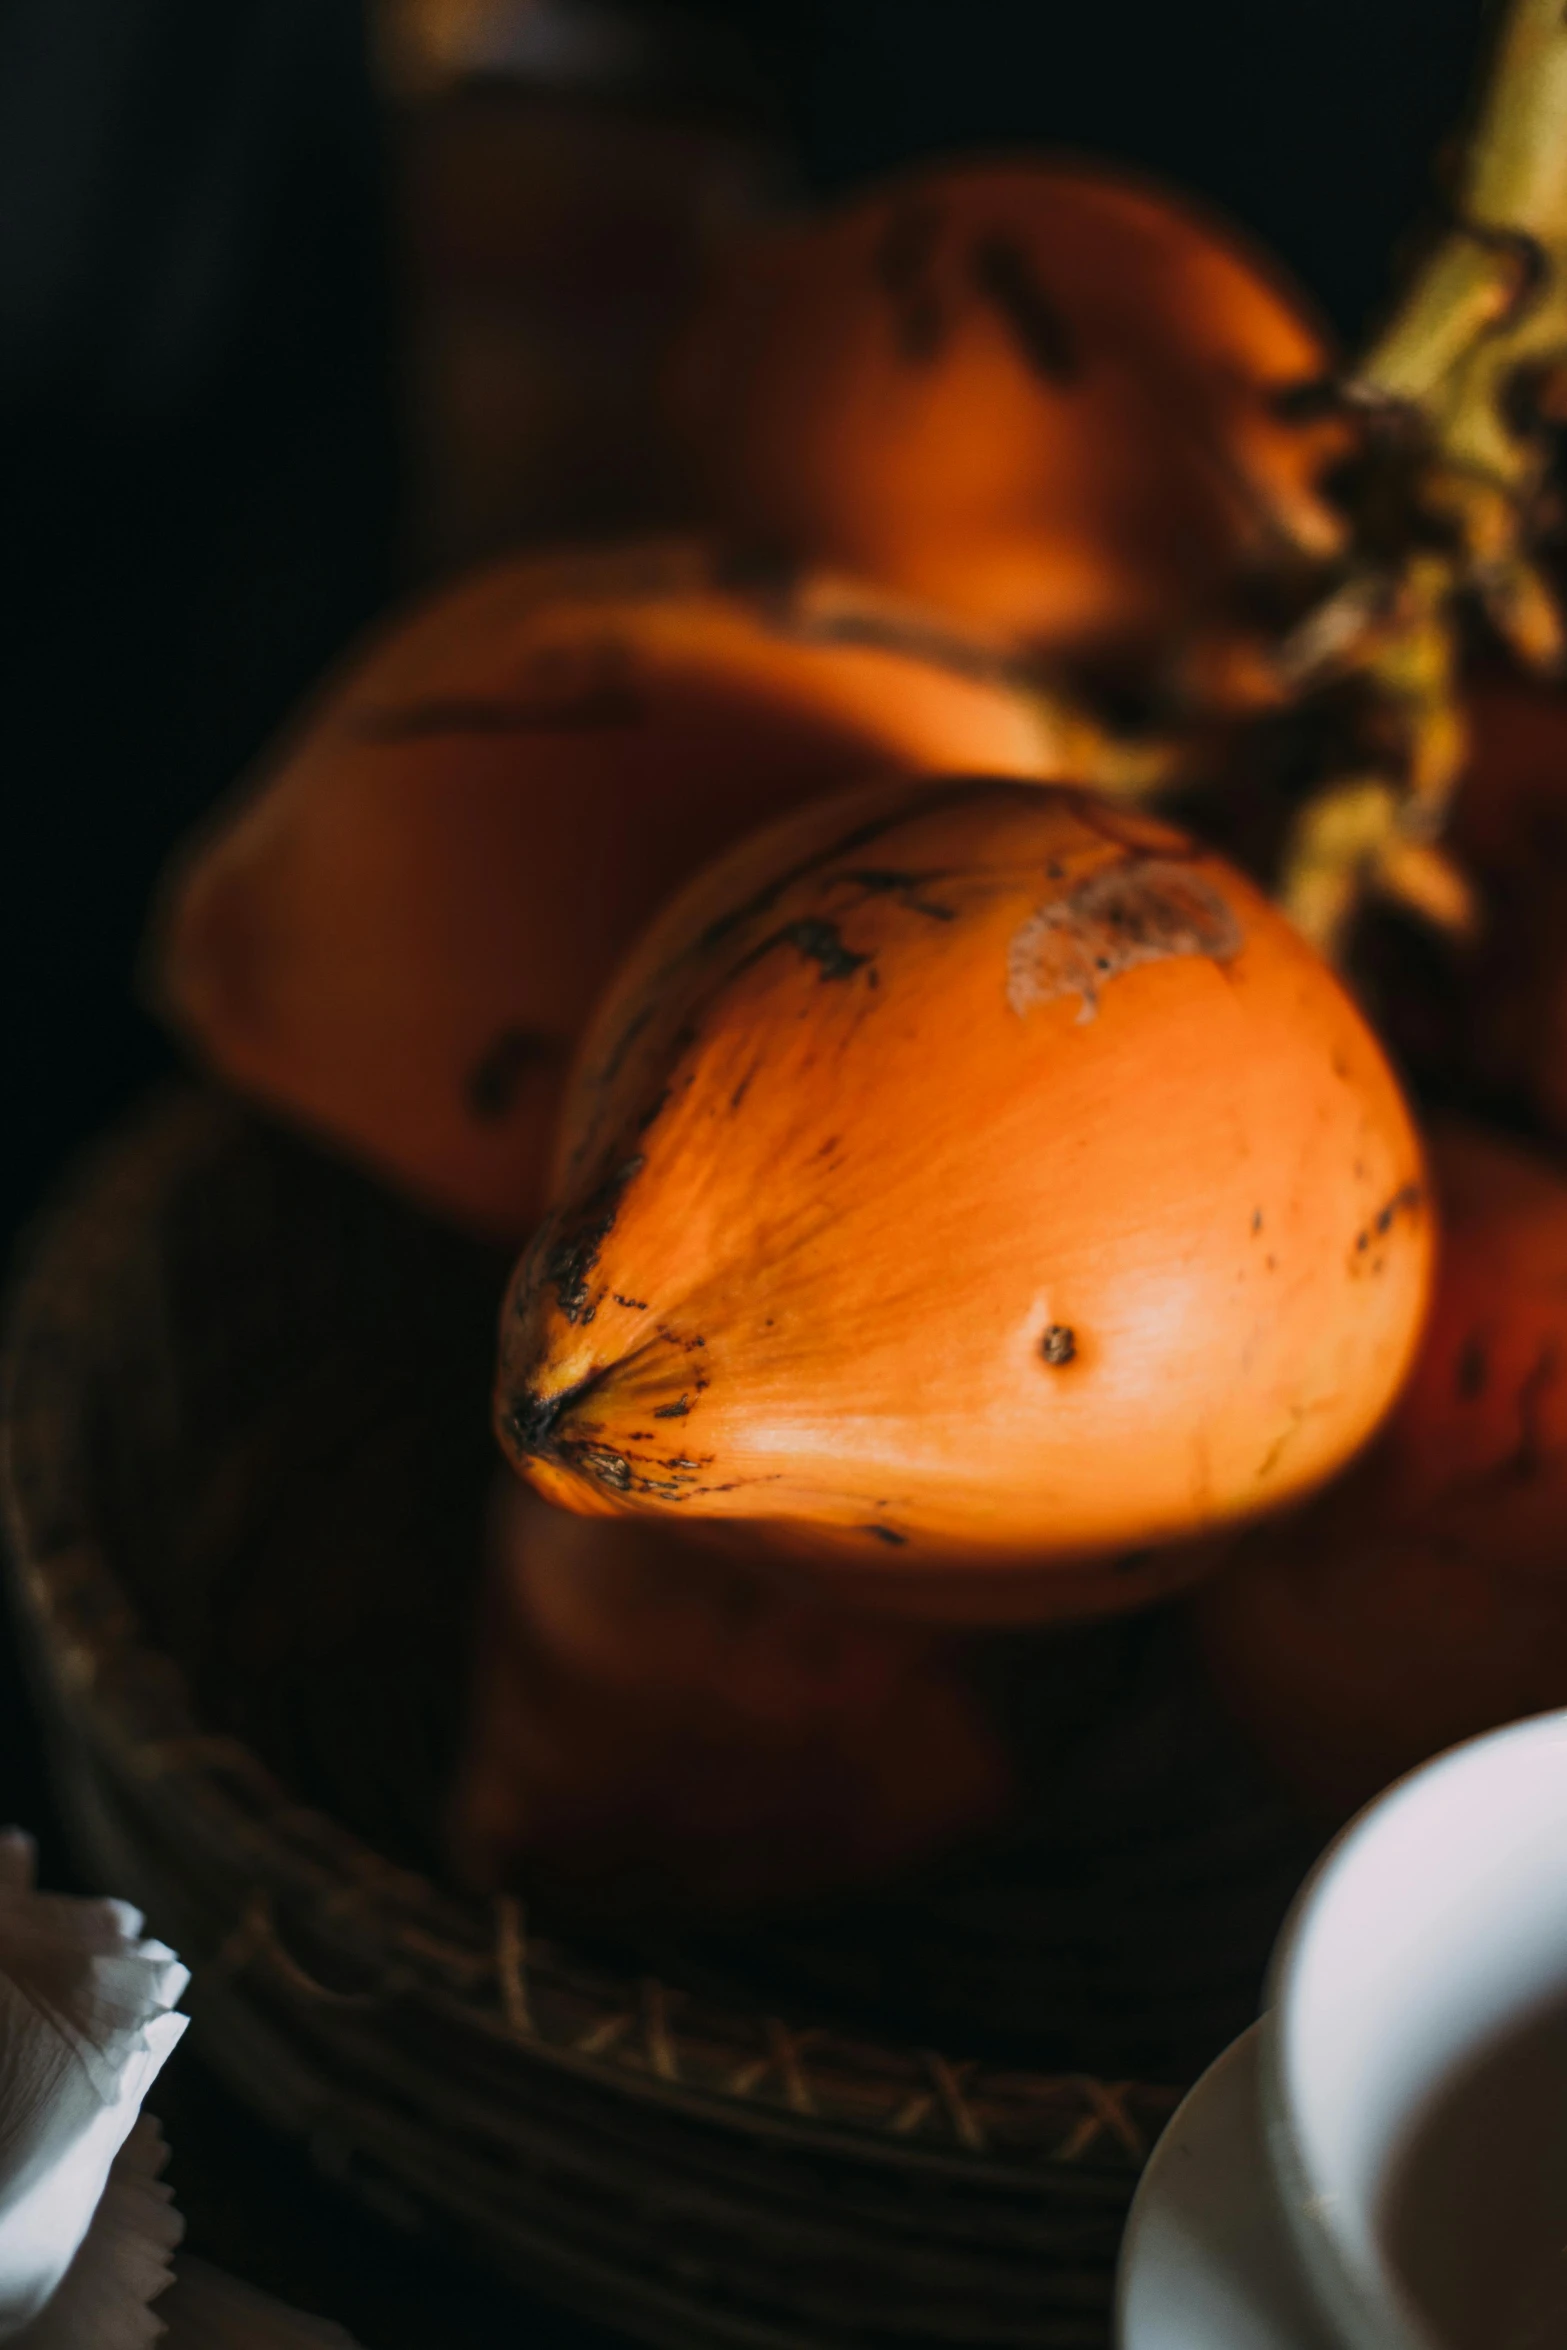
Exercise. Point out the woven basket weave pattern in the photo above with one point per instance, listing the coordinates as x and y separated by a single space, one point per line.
223 1350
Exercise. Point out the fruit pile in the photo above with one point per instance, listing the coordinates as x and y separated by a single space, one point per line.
917 970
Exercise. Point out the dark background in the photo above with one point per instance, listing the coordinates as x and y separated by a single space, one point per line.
199 320
201 480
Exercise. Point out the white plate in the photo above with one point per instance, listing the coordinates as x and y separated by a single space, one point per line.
1207 2262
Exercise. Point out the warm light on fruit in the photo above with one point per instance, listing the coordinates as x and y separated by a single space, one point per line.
980 1188
398 937
1041 393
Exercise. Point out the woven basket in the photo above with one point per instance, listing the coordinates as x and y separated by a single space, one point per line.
246 1459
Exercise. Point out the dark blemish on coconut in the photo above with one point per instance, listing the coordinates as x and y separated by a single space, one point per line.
492 1085
1474 1371
1408 1198
741 1090
673 1411
633 1305
602 1463
1059 1344
901 263
821 942
530 1419
686 1345
884 1534
578 1240
818 940
922 799
1405 1201
1002 274
880 881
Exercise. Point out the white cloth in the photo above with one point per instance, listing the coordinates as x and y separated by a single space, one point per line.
86 2023
104 2301
87 2227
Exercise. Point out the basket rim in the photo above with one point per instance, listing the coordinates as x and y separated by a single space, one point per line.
313 1882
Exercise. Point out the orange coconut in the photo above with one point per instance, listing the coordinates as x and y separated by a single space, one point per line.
398 936
650 1725
1040 393
974 1184
1424 1596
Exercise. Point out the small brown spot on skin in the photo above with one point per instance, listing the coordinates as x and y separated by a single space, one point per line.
1474 1371
673 1411
492 1086
817 940
1405 1201
885 881
884 1534
1058 1345
1002 273
1256 1220
577 1242
633 1305
604 1465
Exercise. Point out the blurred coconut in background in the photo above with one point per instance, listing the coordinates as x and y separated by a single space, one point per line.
565 174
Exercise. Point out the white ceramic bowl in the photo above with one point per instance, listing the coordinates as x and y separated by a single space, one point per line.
1430 1934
